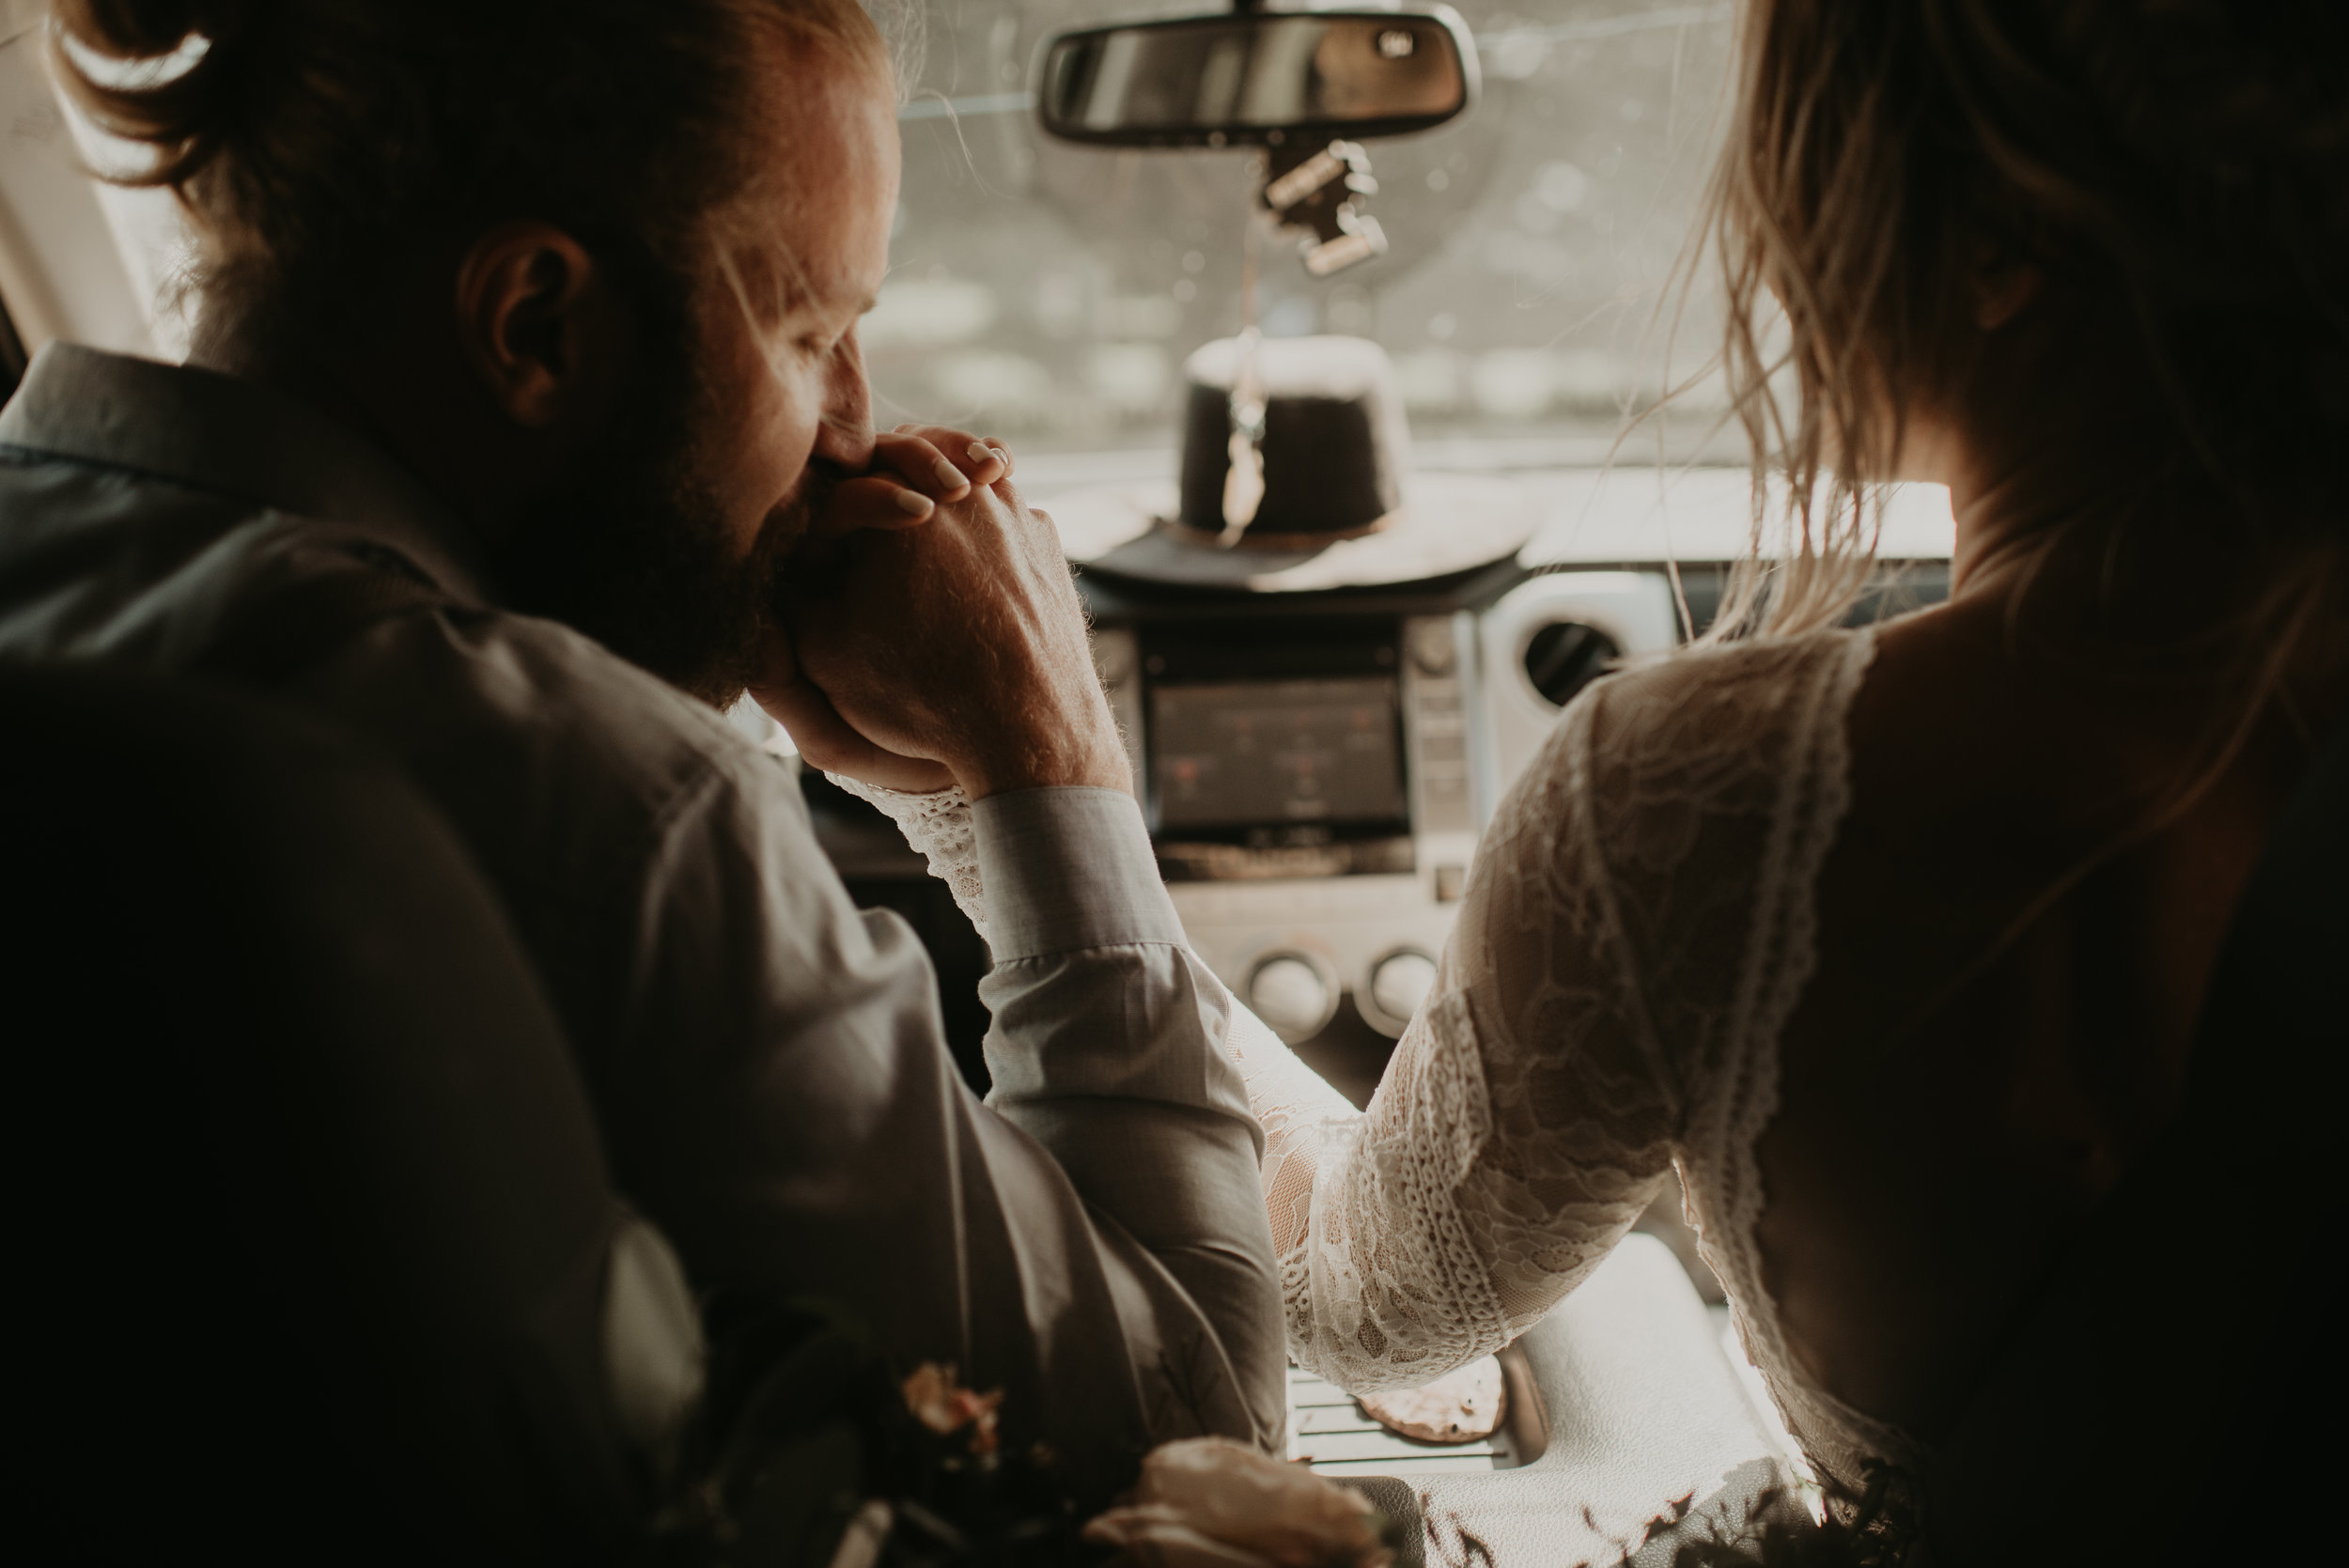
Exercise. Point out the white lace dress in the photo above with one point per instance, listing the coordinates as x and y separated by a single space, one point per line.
1636 932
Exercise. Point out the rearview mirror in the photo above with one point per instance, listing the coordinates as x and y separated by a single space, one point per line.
1258 78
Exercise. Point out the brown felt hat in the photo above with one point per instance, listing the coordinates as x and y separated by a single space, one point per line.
1335 503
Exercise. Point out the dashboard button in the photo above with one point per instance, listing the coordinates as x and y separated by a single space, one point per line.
1400 983
1291 996
1431 647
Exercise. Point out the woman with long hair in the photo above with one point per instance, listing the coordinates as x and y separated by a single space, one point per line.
1892 939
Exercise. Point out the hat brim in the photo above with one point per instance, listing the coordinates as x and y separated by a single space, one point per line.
1448 523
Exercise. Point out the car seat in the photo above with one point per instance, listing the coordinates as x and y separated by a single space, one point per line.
317 1255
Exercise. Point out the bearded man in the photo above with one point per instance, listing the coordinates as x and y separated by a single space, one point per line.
526 387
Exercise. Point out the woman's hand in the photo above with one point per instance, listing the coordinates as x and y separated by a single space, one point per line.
930 634
910 474
914 468
956 639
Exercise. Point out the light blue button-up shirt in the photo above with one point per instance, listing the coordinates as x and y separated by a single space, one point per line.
765 1060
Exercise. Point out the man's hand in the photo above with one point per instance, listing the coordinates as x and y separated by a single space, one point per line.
958 640
827 740
910 474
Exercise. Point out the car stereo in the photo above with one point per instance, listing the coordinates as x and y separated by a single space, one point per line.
1273 755
1314 768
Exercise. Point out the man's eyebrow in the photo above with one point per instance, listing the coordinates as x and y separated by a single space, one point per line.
811 302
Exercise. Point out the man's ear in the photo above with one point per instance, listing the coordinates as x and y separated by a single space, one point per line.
540 322
2004 285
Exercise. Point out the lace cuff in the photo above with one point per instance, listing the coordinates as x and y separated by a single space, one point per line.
1298 1109
939 825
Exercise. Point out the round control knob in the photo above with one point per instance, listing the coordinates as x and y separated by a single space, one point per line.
1400 982
1566 656
1431 647
1291 996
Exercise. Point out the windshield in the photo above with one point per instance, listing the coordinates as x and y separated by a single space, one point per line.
1049 293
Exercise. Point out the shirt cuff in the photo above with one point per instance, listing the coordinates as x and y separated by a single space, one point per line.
1066 869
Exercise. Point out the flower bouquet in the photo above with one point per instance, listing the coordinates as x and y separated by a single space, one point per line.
812 1452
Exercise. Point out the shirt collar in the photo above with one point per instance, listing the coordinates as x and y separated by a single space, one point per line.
236 436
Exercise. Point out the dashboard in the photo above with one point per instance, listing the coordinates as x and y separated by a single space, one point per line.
1315 767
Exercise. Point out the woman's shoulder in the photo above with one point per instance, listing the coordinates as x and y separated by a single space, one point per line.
1673 810
1726 717
1698 762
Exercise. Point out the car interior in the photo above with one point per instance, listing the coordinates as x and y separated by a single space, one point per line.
1347 348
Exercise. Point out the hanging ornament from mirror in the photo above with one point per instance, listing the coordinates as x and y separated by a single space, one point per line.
1322 189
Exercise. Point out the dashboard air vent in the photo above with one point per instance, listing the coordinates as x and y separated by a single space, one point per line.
1564 657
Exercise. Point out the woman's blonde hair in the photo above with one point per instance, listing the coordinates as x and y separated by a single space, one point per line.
2177 168
312 140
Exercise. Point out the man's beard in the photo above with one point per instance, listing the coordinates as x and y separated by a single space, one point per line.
633 548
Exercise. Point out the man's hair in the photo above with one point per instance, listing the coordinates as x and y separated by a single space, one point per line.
311 141
2178 168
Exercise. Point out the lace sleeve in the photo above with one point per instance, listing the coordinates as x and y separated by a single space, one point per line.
1523 1124
1637 929
938 825
1298 1111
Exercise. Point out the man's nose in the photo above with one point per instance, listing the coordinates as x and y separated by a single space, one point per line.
846 435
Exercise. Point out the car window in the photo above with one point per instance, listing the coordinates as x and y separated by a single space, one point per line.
1049 293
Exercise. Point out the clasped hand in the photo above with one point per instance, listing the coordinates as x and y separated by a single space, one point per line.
930 634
